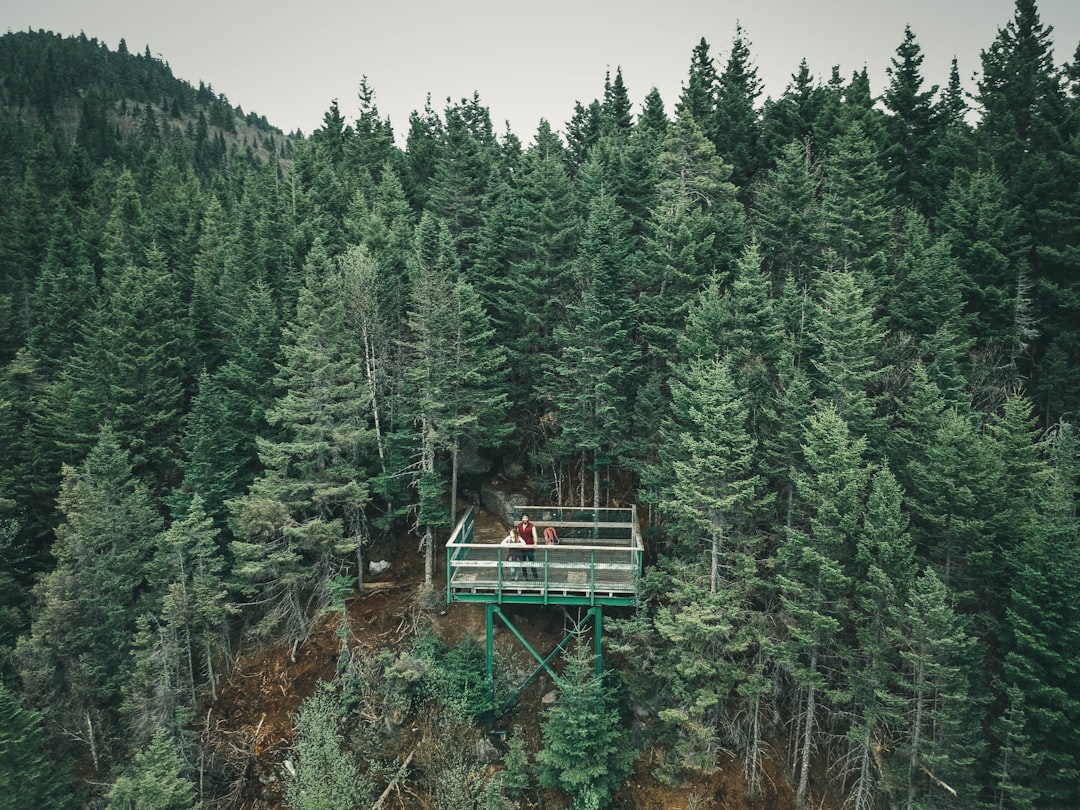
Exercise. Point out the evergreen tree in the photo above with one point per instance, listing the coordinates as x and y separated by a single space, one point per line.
737 134
130 370
786 217
595 376
464 174
1040 640
814 573
432 321
29 777
884 562
423 145
585 751
64 290
942 737
306 508
326 778
856 211
76 658
698 97
156 781
615 108
711 491
986 240
850 343
910 127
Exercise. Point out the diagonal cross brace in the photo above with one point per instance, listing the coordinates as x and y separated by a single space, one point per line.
593 613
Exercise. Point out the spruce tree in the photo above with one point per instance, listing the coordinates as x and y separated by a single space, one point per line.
910 126
737 135
585 750
594 382
305 510
29 775
76 657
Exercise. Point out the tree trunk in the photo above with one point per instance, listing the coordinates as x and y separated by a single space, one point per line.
453 484
916 735
808 737
93 744
369 371
714 566
753 755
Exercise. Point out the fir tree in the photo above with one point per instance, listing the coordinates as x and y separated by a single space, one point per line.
585 751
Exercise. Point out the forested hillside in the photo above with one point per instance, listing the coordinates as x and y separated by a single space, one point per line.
829 343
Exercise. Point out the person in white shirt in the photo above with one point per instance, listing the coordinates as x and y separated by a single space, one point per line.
513 555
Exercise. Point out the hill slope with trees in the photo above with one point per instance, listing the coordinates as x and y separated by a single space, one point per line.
828 342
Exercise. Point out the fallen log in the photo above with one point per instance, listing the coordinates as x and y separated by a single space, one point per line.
393 782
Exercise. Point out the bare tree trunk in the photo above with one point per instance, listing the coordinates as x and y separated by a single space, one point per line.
863 798
714 567
916 735
369 370
453 483
211 675
808 737
753 754
93 744
428 468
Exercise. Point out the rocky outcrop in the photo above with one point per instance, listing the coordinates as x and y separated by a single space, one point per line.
499 502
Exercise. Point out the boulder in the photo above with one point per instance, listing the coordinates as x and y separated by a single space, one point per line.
378 566
471 462
500 502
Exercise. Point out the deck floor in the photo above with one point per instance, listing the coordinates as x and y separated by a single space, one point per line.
569 572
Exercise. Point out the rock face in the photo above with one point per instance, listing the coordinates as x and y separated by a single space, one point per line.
470 462
499 502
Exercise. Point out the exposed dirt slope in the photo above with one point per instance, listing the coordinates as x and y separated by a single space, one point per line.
254 712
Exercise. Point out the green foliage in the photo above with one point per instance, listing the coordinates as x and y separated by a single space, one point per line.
749 317
454 678
29 775
585 752
156 780
518 767
326 777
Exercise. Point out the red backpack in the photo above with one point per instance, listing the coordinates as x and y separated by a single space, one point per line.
551 537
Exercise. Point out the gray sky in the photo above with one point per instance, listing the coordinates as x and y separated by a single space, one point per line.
527 61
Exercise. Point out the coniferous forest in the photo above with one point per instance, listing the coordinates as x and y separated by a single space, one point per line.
828 343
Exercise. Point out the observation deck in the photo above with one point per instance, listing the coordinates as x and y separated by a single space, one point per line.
597 562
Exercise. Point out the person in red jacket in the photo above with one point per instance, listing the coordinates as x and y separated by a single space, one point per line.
527 532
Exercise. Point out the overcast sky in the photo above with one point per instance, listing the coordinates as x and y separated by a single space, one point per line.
527 61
